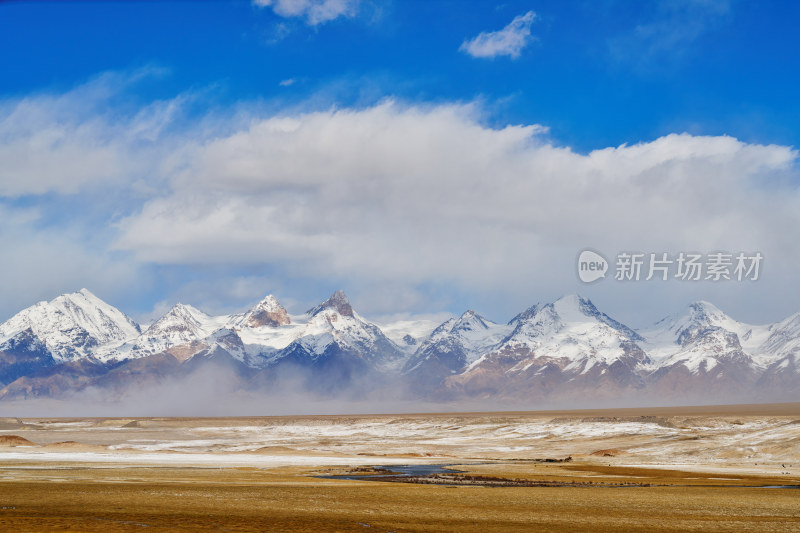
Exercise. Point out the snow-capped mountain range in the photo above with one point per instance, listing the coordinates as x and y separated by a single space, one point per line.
566 349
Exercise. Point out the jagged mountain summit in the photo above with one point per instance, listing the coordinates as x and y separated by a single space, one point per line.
454 346
553 351
71 326
702 347
268 312
330 341
337 302
263 335
551 344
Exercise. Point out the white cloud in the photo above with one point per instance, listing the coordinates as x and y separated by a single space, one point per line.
313 11
506 42
287 82
406 207
64 143
40 263
409 196
71 163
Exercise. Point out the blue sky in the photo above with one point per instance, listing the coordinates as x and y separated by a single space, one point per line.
597 73
210 152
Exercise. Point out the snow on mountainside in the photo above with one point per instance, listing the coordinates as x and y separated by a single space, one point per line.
683 328
570 329
181 325
72 326
783 345
262 335
185 331
475 333
562 349
268 312
701 336
408 334
334 324
451 348
459 342
783 338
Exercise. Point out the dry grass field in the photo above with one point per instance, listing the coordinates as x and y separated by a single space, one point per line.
681 469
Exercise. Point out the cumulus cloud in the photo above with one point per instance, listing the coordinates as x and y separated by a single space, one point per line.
41 262
71 162
63 143
506 42
313 11
430 195
405 206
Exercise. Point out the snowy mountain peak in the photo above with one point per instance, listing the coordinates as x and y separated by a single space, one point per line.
698 317
83 296
570 307
568 310
703 310
458 342
72 326
181 325
704 304
701 336
699 312
337 302
268 312
569 329
270 303
470 321
784 337
573 299
180 317
573 308
552 346
188 311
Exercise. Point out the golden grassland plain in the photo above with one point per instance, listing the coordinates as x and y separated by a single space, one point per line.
661 469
